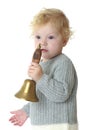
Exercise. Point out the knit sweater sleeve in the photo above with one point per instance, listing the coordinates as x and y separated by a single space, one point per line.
59 86
26 108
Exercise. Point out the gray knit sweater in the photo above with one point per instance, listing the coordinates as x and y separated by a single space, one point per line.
56 91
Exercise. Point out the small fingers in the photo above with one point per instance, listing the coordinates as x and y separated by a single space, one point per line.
19 123
34 64
12 118
13 112
15 121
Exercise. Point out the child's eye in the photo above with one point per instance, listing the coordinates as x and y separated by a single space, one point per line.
51 37
38 37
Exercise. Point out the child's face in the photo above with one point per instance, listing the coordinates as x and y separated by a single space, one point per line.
51 41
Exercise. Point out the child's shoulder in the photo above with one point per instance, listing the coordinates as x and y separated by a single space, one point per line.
64 61
64 58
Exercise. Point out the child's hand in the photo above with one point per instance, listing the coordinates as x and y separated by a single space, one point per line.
35 71
18 118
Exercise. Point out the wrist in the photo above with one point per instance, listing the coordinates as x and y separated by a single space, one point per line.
38 78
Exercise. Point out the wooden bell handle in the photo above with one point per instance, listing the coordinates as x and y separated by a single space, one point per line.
37 55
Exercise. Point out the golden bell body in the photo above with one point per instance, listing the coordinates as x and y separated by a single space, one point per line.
28 91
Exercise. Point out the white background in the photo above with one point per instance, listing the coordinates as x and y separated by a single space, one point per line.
16 50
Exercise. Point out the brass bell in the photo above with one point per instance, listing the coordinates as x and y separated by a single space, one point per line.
28 90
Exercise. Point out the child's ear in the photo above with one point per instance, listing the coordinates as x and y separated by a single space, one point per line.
64 43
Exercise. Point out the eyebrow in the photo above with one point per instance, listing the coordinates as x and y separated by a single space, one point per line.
47 34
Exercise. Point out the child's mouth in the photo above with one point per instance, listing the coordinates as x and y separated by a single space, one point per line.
44 50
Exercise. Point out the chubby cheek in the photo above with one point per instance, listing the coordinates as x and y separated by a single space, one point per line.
36 44
56 50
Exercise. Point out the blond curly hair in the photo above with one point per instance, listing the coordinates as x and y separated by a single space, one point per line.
54 16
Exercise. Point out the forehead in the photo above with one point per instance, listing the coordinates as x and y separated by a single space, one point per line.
47 28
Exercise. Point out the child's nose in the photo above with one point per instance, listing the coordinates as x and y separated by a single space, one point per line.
43 42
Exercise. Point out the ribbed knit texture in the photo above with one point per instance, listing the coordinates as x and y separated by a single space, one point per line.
56 91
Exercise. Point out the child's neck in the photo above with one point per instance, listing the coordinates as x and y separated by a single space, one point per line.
45 60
